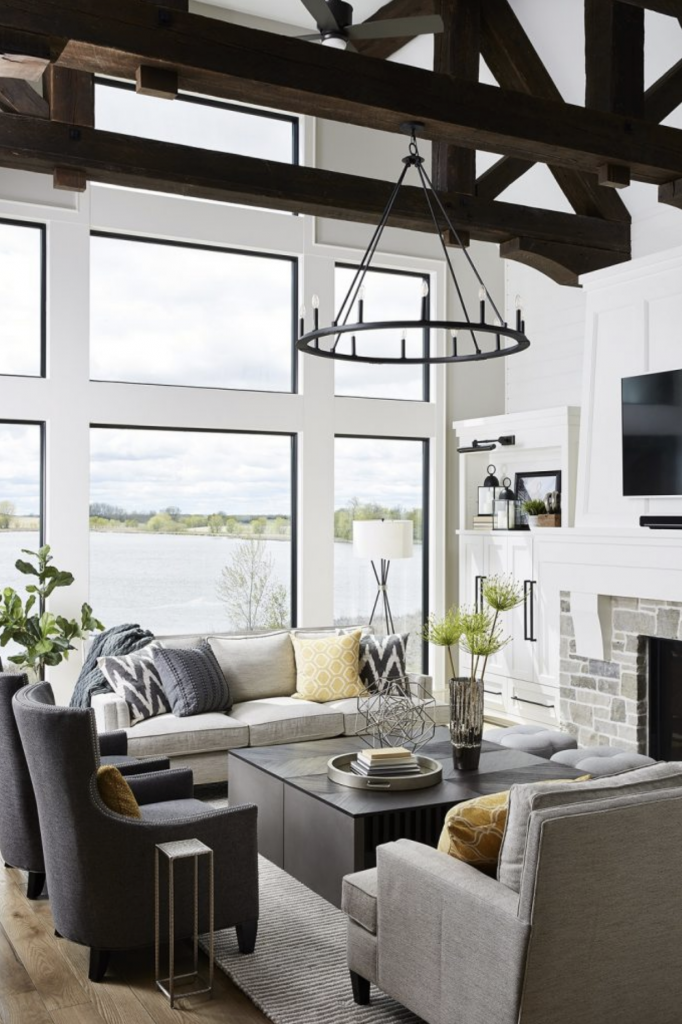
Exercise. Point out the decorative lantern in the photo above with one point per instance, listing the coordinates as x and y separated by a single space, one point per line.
486 493
504 507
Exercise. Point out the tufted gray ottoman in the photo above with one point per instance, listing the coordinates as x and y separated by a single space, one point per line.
533 739
602 760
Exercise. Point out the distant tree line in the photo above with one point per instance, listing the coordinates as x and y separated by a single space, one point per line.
343 517
111 518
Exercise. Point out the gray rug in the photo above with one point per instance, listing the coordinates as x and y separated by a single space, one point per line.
298 973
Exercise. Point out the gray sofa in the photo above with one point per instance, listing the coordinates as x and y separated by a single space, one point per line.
583 925
261 673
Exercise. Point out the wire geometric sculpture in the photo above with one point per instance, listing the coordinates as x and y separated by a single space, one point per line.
399 713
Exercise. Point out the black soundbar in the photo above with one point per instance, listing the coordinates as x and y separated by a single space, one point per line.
661 522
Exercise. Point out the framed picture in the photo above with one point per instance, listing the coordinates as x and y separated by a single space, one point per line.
534 485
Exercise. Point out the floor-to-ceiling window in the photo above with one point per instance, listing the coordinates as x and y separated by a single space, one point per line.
191 530
381 478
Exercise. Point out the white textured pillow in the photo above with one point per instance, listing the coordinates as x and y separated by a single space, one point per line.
135 679
527 797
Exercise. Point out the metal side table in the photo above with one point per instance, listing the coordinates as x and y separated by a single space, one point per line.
184 849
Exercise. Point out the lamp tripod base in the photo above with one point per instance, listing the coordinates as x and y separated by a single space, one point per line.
381 576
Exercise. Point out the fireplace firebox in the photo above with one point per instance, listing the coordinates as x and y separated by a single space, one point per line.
665 699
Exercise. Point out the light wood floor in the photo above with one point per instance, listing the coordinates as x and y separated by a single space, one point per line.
44 980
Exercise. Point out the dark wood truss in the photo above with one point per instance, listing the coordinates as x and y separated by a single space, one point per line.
592 151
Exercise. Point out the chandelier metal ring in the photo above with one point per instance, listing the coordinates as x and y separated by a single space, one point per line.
310 341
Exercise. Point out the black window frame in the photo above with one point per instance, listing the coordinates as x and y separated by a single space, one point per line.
207 101
426 334
294 466
42 229
295 275
426 514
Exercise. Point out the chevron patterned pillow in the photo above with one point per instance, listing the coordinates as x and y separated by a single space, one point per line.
383 658
135 679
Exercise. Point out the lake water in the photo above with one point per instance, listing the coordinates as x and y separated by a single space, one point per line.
167 583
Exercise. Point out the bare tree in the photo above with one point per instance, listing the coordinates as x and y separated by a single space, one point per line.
254 598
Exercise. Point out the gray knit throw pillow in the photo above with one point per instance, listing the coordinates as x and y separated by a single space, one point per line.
192 680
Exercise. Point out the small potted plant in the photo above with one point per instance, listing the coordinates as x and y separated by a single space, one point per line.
533 508
479 633
46 638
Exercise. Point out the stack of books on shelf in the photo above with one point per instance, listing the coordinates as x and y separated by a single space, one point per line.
383 761
483 522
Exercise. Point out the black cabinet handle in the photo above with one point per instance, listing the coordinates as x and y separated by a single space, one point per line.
535 703
493 693
529 611
478 592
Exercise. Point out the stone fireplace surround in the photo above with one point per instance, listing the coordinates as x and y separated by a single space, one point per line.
605 702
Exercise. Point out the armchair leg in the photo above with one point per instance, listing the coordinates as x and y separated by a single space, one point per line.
35 885
99 961
360 989
246 936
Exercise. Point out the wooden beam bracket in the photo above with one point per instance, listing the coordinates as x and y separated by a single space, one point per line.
562 262
613 175
69 179
159 82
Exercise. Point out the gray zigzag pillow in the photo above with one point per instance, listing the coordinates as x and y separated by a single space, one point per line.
135 678
382 658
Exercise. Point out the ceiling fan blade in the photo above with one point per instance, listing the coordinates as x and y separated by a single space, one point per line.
324 18
396 28
313 35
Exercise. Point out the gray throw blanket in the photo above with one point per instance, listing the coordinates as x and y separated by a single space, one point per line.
117 640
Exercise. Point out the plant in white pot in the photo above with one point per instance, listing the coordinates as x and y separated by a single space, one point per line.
533 508
45 638
479 634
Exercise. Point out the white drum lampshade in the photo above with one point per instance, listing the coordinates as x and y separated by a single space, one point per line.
383 539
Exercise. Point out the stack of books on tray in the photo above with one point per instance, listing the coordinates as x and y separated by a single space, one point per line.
378 763
483 522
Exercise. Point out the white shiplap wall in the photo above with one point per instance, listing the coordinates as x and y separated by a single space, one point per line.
549 373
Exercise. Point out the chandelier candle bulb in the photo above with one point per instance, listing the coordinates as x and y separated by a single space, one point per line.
316 311
425 300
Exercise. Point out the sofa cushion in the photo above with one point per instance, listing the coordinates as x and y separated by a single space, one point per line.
524 799
135 678
359 898
256 666
284 720
353 722
327 667
192 679
173 736
383 658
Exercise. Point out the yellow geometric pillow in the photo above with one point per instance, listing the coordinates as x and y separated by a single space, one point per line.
116 793
327 667
473 831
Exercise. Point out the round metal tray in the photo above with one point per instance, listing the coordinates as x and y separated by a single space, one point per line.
339 770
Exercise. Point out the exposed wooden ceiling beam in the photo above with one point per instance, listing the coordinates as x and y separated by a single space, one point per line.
672 7
35 145
500 176
457 53
229 60
383 48
562 262
17 97
664 95
516 64
614 57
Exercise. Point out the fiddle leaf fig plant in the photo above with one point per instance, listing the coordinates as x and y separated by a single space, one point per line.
45 637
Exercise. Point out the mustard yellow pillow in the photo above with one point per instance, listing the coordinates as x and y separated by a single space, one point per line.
473 830
116 793
327 667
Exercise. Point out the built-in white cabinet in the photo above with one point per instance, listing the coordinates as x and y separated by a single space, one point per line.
519 685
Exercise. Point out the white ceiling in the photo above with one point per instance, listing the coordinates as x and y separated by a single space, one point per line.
292 12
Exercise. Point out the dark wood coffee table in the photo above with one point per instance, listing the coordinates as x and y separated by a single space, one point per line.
318 831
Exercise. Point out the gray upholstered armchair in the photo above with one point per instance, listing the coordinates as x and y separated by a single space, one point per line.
20 841
593 935
100 865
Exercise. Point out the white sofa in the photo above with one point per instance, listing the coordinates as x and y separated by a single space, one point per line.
261 673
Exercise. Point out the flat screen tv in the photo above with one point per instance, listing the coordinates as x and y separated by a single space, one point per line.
652 434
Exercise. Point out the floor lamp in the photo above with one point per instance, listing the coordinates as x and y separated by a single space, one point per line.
381 541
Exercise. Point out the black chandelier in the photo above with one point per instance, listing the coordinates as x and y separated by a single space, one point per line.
470 340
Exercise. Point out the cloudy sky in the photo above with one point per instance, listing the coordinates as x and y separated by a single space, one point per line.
20 294
20 467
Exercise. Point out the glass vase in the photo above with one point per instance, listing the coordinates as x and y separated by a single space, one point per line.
466 722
